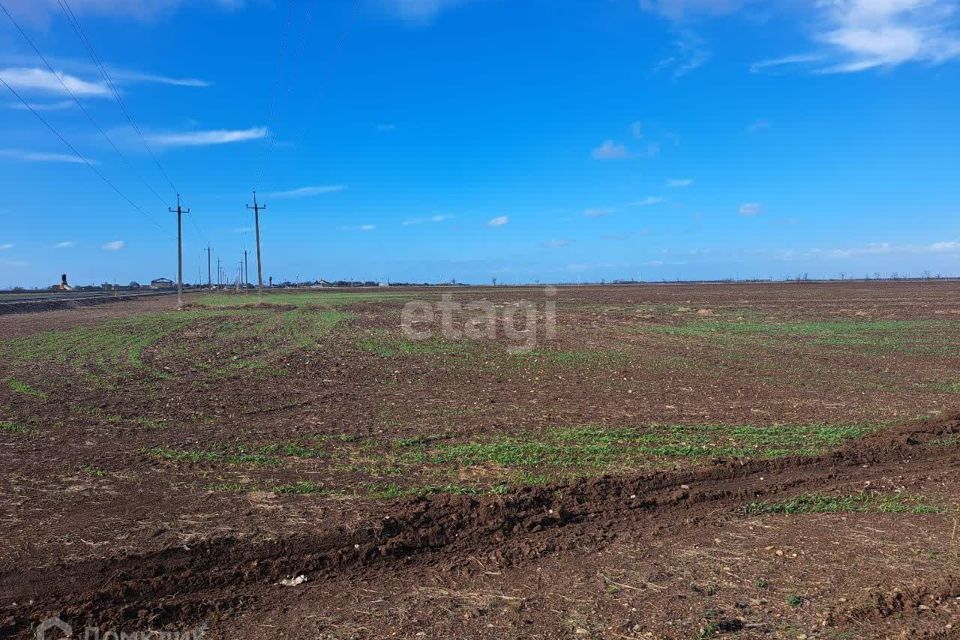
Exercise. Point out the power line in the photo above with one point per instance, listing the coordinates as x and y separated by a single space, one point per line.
282 57
78 29
324 75
85 160
70 92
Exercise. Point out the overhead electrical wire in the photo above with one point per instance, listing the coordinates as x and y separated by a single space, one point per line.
78 29
81 157
79 104
74 22
325 73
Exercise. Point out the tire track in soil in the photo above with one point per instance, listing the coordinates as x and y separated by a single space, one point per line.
437 534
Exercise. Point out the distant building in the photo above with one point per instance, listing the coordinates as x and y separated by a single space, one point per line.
161 283
63 286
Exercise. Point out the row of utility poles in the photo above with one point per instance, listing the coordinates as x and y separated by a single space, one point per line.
244 272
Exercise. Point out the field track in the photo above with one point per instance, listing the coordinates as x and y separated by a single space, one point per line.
31 302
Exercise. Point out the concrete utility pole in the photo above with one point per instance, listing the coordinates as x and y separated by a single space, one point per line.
209 277
256 223
179 211
246 270
219 274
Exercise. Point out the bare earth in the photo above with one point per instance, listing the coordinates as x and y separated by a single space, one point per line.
746 461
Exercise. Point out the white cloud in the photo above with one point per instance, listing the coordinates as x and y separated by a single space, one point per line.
420 11
30 80
435 219
750 209
598 212
499 221
207 138
871 249
682 9
121 76
939 247
40 156
806 60
367 227
679 183
884 33
61 105
688 53
6 247
115 245
857 35
649 201
611 150
307 192
66 244
556 243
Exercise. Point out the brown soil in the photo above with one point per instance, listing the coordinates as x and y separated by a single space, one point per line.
460 546
666 553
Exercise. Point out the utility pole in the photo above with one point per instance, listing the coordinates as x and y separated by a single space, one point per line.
256 223
246 270
209 278
219 273
179 211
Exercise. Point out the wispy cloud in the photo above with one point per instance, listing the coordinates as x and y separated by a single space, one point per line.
241 230
611 150
858 35
499 221
649 201
206 138
41 156
420 11
943 247
679 10
115 245
61 105
556 243
786 62
66 244
678 183
33 80
6 246
79 77
758 126
750 209
687 53
866 34
598 212
124 76
386 127
435 219
307 192
636 129
359 227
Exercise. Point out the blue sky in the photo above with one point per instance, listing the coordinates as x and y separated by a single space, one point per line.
471 139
